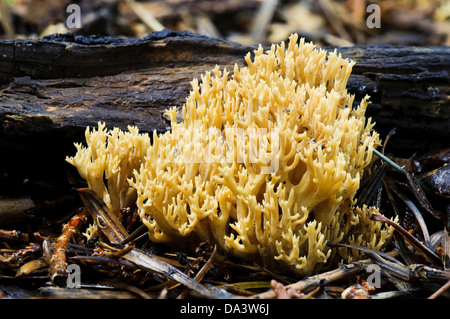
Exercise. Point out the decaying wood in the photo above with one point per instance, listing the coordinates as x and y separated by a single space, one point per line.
58 264
52 88
76 81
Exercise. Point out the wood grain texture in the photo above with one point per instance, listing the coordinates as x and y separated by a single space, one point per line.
52 88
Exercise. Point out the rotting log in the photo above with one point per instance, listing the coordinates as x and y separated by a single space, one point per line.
52 88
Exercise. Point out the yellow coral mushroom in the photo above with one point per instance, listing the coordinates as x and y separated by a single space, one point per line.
266 162
111 155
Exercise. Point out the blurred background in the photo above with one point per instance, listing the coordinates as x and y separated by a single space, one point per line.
326 22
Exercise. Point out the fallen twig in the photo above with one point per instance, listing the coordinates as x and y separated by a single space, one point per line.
199 276
416 213
116 233
416 272
421 248
364 249
58 264
313 282
14 236
440 291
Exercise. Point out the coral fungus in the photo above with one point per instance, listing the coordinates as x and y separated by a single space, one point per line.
266 162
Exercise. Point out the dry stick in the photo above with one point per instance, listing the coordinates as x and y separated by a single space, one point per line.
416 213
392 269
373 186
206 26
320 279
58 264
364 250
397 167
116 233
135 234
400 245
5 19
117 253
199 276
440 291
334 20
29 250
425 188
422 249
146 17
414 273
105 260
419 193
128 287
14 236
263 18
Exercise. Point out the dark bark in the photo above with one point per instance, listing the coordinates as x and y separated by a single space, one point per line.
51 89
